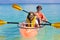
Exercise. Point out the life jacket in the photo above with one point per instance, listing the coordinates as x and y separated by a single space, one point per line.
31 23
39 15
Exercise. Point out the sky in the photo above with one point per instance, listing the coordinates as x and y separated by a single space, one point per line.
28 1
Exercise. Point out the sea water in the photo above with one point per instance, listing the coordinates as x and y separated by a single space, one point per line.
11 31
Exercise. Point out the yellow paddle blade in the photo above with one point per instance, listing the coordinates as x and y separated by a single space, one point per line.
17 7
56 25
2 22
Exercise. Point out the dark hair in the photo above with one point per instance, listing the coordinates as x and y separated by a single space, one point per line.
30 14
39 7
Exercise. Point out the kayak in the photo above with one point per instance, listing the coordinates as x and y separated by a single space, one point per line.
28 32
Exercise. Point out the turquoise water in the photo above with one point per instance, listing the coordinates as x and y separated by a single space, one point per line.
11 32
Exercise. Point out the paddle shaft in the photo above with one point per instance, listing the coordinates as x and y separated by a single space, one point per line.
12 23
26 23
25 11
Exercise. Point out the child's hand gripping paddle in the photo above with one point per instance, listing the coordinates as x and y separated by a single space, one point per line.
56 24
17 7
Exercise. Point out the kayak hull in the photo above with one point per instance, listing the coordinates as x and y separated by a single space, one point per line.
28 33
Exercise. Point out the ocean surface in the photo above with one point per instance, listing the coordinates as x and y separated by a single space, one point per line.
11 31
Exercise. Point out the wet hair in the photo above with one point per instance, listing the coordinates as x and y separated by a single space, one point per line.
30 14
39 7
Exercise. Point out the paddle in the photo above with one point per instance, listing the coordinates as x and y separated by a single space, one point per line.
2 22
17 7
56 24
